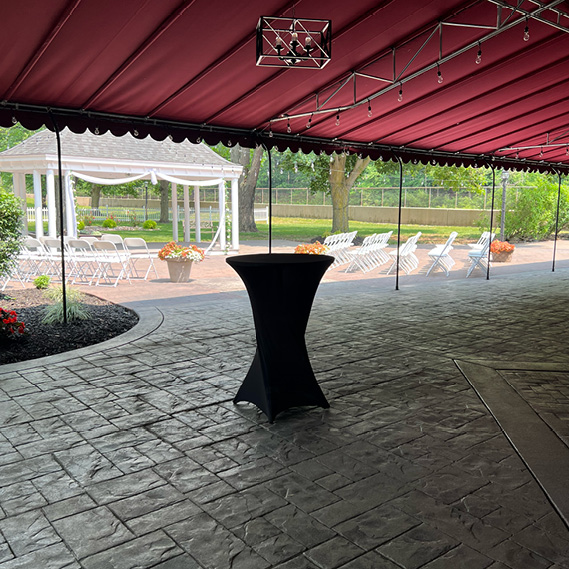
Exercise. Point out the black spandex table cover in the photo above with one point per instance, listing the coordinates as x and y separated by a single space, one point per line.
281 289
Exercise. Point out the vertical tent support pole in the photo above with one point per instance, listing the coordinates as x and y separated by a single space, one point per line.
399 222
491 220
60 184
270 198
556 222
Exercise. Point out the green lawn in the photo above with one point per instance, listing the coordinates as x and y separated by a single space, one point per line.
303 230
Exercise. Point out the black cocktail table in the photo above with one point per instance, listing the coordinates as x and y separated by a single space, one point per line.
281 289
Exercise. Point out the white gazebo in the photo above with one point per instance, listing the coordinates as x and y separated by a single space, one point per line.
109 160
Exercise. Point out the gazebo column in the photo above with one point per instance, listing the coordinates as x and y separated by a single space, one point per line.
19 182
222 232
186 213
38 210
198 214
51 216
235 214
174 211
70 216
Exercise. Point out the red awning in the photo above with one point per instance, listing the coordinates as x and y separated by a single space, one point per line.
186 69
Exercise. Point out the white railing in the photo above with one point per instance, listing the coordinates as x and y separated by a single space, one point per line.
208 215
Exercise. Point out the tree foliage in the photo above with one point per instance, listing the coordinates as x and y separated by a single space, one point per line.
532 213
10 231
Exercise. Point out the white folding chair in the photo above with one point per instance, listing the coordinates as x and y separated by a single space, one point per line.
114 238
408 261
111 265
486 236
137 249
478 258
441 255
83 260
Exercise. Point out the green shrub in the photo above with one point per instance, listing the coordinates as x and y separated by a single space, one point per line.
149 224
76 309
10 231
81 225
42 282
109 223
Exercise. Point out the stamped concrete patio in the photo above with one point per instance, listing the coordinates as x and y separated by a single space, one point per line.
131 454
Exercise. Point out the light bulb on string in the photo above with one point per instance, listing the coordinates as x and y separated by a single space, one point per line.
526 31
439 75
567 151
369 113
517 154
541 152
309 123
400 96
478 59
337 119
270 131
288 129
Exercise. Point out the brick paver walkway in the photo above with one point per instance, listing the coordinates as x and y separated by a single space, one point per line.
132 455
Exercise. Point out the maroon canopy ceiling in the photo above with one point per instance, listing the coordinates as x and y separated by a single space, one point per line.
187 69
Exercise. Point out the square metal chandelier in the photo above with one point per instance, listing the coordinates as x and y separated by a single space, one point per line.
293 42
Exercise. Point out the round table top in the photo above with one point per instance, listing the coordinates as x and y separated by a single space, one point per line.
264 259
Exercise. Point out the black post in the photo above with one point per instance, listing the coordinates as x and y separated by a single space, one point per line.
399 222
556 222
491 219
60 176
270 199
146 201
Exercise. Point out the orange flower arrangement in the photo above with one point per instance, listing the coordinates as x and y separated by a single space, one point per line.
501 247
311 249
174 251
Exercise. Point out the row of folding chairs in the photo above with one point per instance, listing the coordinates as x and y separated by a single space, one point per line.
339 247
88 260
371 253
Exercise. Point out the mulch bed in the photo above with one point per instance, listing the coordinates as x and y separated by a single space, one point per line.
107 321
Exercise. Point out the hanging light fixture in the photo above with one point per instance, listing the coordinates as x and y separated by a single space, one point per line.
439 75
293 42
478 59
288 129
369 113
526 31
400 96
309 123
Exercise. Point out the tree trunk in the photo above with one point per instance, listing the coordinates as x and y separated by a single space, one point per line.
340 186
95 196
164 195
247 184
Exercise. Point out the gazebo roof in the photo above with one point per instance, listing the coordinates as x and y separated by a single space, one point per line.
88 152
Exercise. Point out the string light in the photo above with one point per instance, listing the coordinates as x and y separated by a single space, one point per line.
400 96
14 120
478 59
567 151
439 75
338 119
517 154
526 31
369 113
309 123
270 131
541 152
288 129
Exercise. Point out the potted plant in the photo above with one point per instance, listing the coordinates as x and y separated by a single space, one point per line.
502 251
179 259
311 249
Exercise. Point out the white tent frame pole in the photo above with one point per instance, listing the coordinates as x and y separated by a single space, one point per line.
19 181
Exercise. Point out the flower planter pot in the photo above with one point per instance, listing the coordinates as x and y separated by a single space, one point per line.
505 257
179 270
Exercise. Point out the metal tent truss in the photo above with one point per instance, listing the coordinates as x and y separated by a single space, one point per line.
507 16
